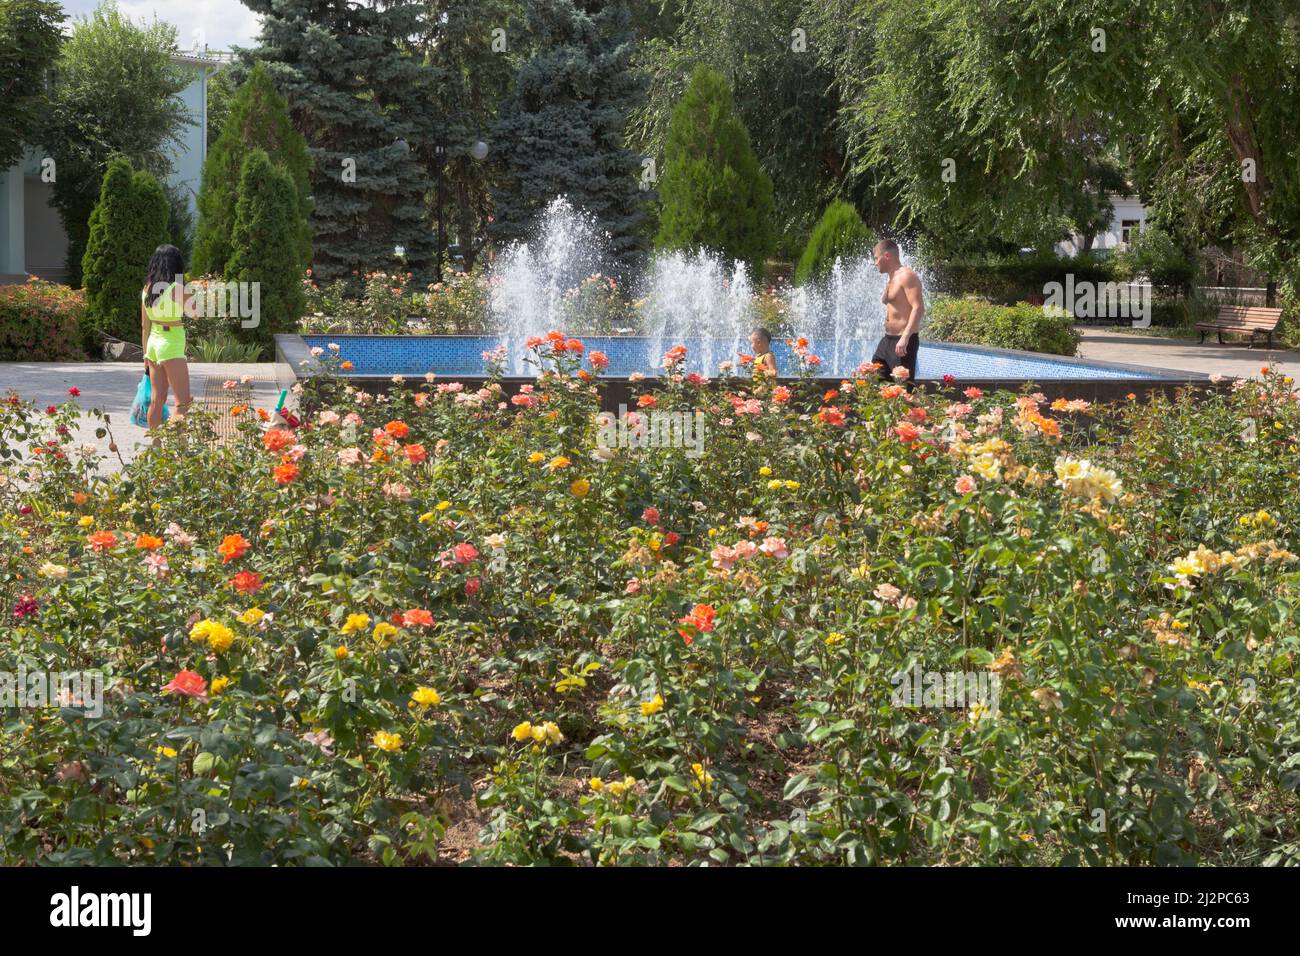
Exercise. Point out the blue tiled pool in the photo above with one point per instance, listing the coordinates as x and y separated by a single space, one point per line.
449 356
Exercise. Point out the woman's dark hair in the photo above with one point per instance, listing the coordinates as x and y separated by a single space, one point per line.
764 333
166 265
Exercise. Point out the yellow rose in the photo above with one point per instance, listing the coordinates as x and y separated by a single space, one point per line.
426 697
355 622
218 636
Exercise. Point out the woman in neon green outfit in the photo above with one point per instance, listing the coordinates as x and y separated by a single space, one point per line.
163 307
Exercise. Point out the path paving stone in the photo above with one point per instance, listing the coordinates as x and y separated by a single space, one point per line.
111 386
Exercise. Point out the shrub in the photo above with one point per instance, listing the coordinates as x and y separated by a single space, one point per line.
262 248
840 233
258 119
1009 279
459 304
128 223
973 321
41 322
1155 256
714 193
439 608
385 306
596 306
223 347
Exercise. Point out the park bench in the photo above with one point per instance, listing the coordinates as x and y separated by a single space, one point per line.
1249 320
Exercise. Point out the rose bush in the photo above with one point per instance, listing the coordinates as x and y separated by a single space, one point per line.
446 624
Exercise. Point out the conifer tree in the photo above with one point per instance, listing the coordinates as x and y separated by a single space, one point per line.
840 233
714 193
359 94
261 241
258 119
561 129
127 224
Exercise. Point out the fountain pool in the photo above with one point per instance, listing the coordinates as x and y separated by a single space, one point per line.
698 300
383 356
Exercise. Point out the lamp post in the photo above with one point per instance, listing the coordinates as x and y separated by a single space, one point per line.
440 157
479 151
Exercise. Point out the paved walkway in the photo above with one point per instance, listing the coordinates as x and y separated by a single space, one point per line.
1186 355
111 386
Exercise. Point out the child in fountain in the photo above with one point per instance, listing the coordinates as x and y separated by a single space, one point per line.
760 340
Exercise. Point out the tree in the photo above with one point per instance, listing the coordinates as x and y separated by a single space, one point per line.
29 43
127 224
714 193
221 90
258 119
116 94
561 129
358 92
1219 152
1195 98
261 247
768 51
839 234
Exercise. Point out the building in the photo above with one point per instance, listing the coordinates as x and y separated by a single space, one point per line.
32 239
1128 218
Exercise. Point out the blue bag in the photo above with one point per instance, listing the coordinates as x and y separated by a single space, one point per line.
140 407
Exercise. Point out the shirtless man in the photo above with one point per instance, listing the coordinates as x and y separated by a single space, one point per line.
903 310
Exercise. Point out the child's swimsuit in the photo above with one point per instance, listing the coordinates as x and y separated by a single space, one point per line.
164 344
761 367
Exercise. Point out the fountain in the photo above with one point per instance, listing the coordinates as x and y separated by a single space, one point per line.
698 300
530 281
841 316
694 299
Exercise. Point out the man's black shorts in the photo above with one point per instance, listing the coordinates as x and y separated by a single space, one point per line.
887 358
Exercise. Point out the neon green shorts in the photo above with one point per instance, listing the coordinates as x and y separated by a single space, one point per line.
165 344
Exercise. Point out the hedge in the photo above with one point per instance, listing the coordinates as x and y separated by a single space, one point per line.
1010 279
40 322
1032 328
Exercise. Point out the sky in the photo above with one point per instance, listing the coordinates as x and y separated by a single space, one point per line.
219 23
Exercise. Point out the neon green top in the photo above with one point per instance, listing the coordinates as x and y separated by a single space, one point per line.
164 309
164 344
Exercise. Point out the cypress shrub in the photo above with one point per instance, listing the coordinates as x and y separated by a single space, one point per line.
262 249
714 193
840 233
258 118
127 224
